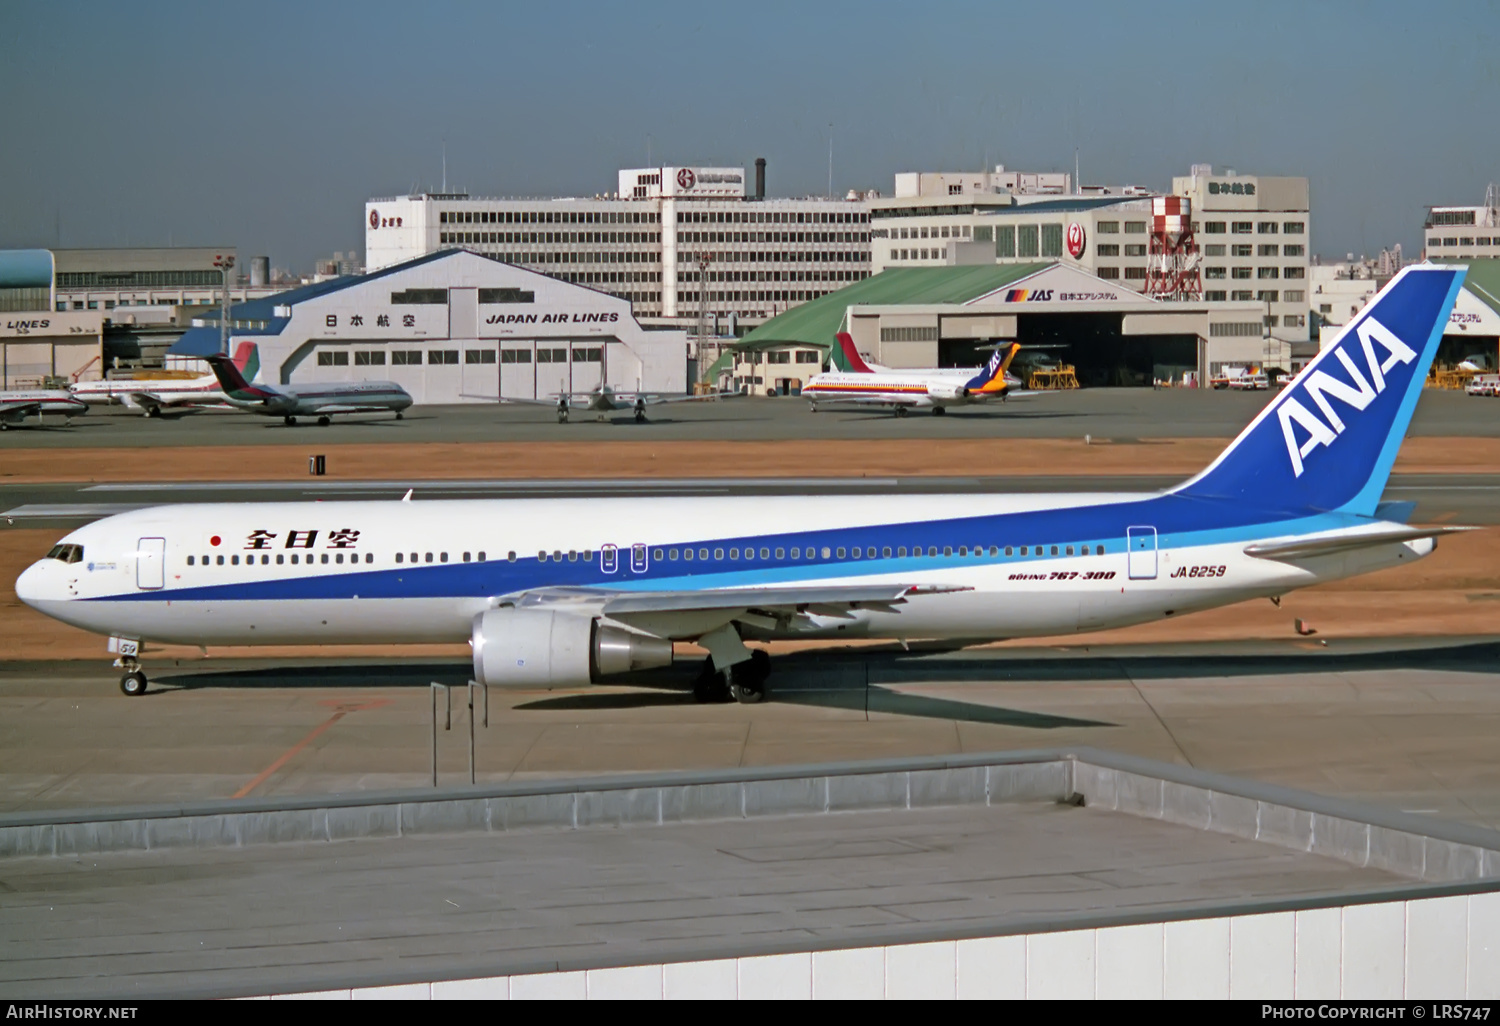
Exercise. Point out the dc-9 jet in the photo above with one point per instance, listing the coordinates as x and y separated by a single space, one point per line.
317 399
573 591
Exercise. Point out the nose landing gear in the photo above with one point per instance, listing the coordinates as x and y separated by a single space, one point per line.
134 680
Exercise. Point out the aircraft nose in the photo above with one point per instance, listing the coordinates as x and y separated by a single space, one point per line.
31 586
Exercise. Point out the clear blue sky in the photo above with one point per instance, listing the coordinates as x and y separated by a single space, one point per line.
266 125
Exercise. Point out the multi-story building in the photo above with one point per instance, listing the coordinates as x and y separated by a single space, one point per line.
682 244
1251 231
102 279
1462 233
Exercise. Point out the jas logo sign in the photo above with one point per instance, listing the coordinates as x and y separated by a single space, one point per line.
1321 388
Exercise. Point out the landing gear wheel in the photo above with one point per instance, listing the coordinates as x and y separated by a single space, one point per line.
640 416
324 421
289 421
133 683
562 416
938 411
901 411
398 414
743 685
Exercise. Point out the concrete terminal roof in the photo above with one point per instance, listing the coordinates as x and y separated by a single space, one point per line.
816 322
231 898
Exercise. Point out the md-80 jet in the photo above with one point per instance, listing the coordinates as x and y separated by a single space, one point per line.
317 399
933 388
569 592
16 406
156 398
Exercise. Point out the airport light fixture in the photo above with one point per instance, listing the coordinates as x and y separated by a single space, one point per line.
224 261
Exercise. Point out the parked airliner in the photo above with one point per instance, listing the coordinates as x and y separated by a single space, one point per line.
157 397
606 399
932 388
16 406
318 399
567 592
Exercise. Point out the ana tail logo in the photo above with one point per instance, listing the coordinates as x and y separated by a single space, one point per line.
1357 393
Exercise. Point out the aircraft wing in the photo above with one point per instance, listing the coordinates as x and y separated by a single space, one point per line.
349 408
653 399
19 407
871 400
151 401
510 401
690 614
1331 544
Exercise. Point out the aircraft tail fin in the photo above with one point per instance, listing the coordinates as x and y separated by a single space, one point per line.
992 378
1328 441
231 380
853 362
247 359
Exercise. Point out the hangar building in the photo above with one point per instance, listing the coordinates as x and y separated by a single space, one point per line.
1059 312
451 327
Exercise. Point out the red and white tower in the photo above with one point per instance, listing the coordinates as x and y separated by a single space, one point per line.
1172 252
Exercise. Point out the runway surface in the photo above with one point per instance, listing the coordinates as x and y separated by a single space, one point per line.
1408 723
1461 498
1117 413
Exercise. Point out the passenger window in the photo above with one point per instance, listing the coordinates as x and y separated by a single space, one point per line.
466 557
671 554
398 557
265 560
280 559
481 556
781 553
325 559
190 561
1054 550
886 552
719 553
656 555
994 551
510 557
702 553
765 553
414 557
234 560
686 554
369 557
963 550
219 560
901 551
429 558
1010 551
294 559
1070 550
1099 550
841 552
855 552
734 553
339 558
825 551
932 550
572 555
442 557
947 550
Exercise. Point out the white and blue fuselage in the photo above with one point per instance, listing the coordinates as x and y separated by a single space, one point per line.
570 590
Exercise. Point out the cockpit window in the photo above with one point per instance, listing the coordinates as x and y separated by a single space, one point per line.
67 553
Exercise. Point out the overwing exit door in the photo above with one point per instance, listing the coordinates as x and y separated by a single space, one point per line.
1141 542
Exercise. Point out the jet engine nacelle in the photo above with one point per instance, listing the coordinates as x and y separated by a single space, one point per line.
548 648
946 390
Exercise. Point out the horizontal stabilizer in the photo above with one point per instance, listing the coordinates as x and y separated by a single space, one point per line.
1332 544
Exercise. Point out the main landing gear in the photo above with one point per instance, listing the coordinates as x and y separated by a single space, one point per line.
562 413
900 411
134 681
324 421
640 413
289 421
938 411
743 682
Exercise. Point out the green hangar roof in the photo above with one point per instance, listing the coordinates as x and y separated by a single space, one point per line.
1482 281
816 322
